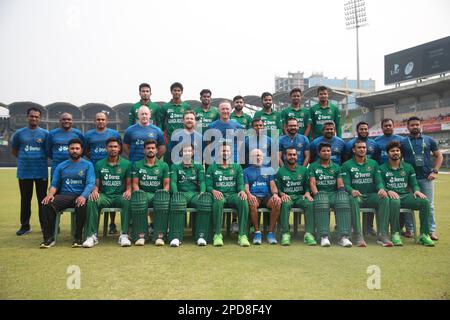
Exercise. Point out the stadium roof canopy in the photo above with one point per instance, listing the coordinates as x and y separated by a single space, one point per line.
392 96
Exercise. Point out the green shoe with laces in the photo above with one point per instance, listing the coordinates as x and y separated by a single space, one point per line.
286 239
309 239
218 240
396 240
243 241
426 240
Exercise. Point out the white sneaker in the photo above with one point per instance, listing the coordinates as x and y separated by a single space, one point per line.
235 227
201 242
140 242
175 243
90 242
124 241
159 242
324 242
345 242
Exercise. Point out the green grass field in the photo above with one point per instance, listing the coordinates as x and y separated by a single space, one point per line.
230 272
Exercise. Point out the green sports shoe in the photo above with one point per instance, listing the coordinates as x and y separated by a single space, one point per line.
218 240
243 241
286 239
396 240
426 240
309 239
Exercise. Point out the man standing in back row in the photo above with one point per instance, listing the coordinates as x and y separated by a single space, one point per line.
145 92
324 111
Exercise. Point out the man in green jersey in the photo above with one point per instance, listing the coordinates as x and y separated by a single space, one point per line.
399 177
322 112
171 113
295 110
187 185
225 180
238 113
327 188
145 92
150 189
112 190
293 186
206 113
363 181
270 117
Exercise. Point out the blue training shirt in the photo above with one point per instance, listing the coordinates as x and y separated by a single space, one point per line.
423 146
258 180
373 151
58 144
96 142
382 142
222 126
136 135
31 153
299 142
337 148
181 136
74 178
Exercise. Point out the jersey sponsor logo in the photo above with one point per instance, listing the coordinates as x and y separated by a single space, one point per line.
32 149
100 150
63 148
73 182
104 170
389 174
111 177
354 169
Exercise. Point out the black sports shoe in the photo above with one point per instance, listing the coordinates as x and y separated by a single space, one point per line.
112 229
77 243
22 231
47 243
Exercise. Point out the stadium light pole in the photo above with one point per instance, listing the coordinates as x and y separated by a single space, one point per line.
355 17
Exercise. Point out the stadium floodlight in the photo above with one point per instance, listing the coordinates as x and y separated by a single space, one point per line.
355 17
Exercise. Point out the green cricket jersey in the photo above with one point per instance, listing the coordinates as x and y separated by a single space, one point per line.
302 115
245 120
293 182
399 179
187 178
113 177
326 177
271 121
205 118
364 177
171 116
154 109
226 180
320 115
151 178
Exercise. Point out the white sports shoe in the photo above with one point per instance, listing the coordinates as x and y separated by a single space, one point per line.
201 242
140 242
175 243
324 242
159 242
90 242
345 242
124 241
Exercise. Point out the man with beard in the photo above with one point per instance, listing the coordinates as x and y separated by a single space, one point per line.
270 117
327 188
295 110
399 177
112 189
417 150
293 187
205 114
136 135
95 148
322 112
72 182
238 113
294 139
145 92
337 144
387 125
363 182
188 135
256 139
225 180
28 145
150 190
58 139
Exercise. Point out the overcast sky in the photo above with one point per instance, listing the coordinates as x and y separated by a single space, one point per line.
100 51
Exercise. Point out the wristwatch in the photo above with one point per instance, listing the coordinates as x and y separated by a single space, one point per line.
434 171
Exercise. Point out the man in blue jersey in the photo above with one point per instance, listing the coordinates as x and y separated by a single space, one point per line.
224 130
58 139
72 182
136 135
328 135
387 125
186 136
28 145
261 191
417 150
362 130
257 139
95 149
296 140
